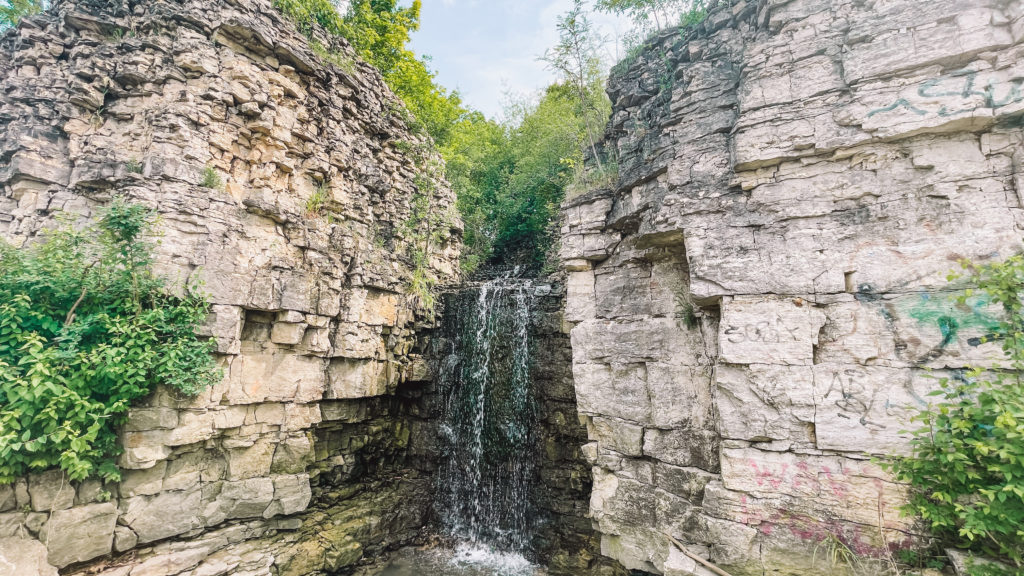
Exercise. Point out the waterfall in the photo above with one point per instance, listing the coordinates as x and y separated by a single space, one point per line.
488 446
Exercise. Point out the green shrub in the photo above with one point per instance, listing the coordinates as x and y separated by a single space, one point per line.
967 466
976 568
697 13
133 166
211 178
338 58
86 328
306 13
315 203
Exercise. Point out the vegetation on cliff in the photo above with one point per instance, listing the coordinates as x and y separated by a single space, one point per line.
86 328
509 176
653 15
967 465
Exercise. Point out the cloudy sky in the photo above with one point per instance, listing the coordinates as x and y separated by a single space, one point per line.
487 48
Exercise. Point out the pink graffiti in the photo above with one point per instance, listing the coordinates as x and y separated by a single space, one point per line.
804 478
838 487
763 476
857 537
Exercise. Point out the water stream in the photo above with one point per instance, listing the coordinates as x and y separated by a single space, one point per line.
487 434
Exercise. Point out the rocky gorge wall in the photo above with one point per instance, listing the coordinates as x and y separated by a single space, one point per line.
295 464
566 541
760 301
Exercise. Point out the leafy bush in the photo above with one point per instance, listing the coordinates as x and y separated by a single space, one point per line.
967 464
211 178
86 328
133 166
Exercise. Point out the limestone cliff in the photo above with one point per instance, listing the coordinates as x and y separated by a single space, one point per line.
295 463
758 302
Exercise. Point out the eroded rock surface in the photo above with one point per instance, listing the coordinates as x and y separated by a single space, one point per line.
296 463
757 304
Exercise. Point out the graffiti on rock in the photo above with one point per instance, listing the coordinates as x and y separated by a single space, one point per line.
958 93
940 311
768 332
951 316
859 398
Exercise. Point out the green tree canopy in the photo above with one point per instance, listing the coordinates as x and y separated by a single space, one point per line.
653 14
509 177
11 11
512 177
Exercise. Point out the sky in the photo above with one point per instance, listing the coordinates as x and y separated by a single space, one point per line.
489 48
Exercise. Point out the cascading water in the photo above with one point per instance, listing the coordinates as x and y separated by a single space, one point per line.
487 434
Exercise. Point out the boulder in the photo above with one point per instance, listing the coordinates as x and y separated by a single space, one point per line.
79 534
24 557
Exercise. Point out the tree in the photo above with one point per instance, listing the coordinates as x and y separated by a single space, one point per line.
511 178
379 31
661 11
11 11
477 157
576 59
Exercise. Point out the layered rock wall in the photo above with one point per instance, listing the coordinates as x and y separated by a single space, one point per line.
566 541
759 303
296 462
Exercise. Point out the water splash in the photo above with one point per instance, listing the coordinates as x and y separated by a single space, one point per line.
487 438
465 560
491 561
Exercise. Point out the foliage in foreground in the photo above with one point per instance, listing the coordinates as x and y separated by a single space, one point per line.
967 466
86 328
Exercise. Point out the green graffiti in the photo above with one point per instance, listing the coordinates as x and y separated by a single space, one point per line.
901 103
951 316
962 88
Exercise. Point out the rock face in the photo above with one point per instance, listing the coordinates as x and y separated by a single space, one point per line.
296 463
758 303
565 540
